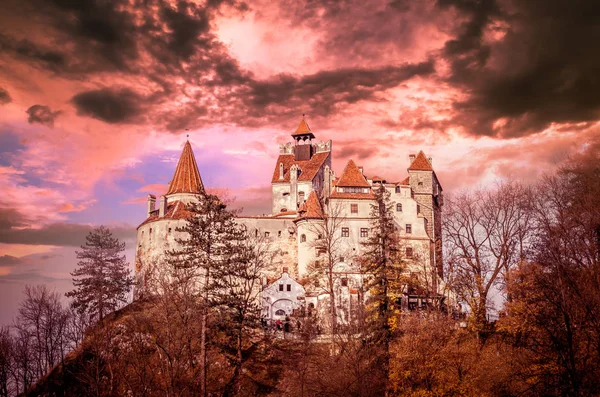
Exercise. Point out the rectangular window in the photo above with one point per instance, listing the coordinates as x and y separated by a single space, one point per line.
408 228
289 287
354 208
280 287
344 282
409 252
320 251
345 232
418 209
267 234
364 232
398 207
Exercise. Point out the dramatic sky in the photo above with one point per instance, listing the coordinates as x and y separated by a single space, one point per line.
96 98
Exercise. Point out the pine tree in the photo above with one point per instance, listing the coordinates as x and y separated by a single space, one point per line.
383 266
202 264
102 279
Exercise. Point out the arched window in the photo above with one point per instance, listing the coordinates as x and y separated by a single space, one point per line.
303 238
150 233
397 189
398 207
280 170
280 312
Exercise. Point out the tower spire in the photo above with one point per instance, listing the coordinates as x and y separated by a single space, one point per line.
187 177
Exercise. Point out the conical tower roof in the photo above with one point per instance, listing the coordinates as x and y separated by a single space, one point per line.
303 130
187 177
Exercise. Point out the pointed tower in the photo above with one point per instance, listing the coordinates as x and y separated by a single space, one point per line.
310 213
427 192
186 184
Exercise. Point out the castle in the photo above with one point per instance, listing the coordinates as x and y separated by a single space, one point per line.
305 191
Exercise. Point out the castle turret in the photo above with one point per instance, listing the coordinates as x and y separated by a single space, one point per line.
186 184
427 192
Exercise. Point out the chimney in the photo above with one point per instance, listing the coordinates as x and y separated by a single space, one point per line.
430 160
151 203
360 168
162 207
412 157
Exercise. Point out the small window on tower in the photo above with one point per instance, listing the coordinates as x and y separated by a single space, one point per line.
398 207
289 287
420 183
169 230
150 233
279 233
285 194
280 287
303 238
408 228
418 209
344 282
267 234
354 208
397 189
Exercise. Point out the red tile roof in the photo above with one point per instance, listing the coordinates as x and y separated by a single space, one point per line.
377 179
311 209
187 177
420 163
309 168
406 181
175 210
353 196
303 129
352 177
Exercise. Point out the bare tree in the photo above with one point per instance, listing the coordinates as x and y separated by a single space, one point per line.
329 247
484 233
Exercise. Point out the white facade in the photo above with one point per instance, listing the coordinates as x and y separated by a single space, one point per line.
417 212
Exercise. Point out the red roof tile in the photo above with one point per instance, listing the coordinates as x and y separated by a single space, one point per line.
175 210
420 163
352 177
187 177
353 196
309 168
377 179
406 181
303 129
311 209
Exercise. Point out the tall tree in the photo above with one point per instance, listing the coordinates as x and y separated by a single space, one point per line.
383 265
328 245
484 233
555 313
206 247
102 279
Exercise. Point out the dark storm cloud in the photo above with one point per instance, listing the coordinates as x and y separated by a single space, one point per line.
9 260
42 115
545 69
109 105
4 97
15 229
322 91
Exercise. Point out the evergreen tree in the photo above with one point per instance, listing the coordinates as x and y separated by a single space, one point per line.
203 265
102 279
383 266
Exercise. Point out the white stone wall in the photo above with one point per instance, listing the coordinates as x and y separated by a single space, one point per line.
277 297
